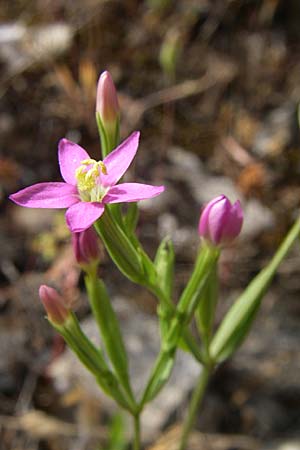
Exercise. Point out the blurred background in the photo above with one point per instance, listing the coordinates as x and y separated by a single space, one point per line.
214 86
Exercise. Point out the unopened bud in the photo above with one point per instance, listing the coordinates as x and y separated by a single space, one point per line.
220 221
86 247
54 304
107 104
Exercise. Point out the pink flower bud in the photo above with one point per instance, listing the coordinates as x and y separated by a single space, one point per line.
107 104
54 304
86 247
220 221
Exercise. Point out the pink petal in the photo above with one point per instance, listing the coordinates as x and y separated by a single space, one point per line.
82 215
234 223
218 215
118 161
203 228
132 192
46 195
70 156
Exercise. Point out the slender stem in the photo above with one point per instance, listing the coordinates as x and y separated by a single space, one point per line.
187 336
137 433
196 400
127 259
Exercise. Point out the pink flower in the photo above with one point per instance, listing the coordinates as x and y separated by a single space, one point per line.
220 221
89 185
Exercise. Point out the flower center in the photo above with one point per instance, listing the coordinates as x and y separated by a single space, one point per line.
89 182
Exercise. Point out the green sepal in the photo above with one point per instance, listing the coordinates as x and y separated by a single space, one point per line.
115 210
119 247
131 218
109 136
238 320
164 264
109 329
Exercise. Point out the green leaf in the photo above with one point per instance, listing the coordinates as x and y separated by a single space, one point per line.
240 316
109 329
93 359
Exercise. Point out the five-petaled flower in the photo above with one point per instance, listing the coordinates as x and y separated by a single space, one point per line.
89 185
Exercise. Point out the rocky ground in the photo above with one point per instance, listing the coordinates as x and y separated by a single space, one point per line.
223 120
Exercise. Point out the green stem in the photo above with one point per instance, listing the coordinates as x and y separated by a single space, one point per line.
185 309
205 313
196 400
128 260
137 433
187 336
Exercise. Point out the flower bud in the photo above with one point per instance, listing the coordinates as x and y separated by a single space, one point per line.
220 221
54 304
107 104
86 247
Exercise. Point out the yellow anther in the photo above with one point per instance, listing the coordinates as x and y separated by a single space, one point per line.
87 177
88 162
103 167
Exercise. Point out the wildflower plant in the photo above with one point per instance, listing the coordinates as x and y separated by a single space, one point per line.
92 194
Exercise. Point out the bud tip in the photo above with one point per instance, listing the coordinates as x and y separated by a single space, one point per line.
54 305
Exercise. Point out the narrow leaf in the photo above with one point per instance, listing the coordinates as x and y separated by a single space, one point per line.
240 316
109 328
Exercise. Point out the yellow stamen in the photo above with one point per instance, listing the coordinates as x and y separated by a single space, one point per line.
87 177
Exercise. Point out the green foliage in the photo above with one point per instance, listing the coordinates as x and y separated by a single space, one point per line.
164 263
238 320
116 434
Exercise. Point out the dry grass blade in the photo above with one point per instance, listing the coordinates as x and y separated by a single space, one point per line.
205 441
218 72
41 426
